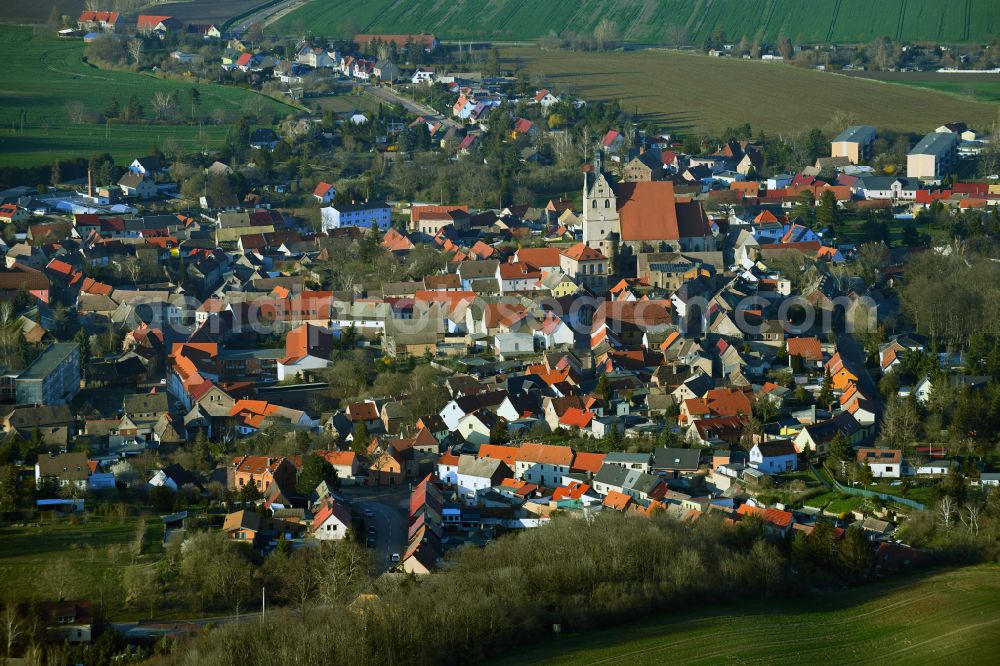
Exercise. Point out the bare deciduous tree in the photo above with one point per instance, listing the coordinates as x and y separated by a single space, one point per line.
946 510
13 628
606 34
135 50
75 110
164 105
970 518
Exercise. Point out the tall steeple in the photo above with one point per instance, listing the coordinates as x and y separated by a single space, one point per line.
600 206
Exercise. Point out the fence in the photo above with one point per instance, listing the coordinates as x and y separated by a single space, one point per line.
871 493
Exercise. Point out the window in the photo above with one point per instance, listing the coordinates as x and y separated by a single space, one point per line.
607 203
593 204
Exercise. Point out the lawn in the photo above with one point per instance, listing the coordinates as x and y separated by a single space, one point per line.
90 553
658 21
694 92
44 74
941 618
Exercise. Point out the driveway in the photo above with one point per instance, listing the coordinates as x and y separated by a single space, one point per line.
389 507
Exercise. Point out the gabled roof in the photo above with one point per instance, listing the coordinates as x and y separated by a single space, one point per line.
322 188
617 500
507 454
806 348
100 17
587 462
880 456
583 252
776 448
546 454
773 516
575 417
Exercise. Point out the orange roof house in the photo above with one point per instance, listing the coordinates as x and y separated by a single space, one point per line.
508 454
808 349
362 411
841 375
262 471
587 463
576 418
617 500
775 520
717 402
539 257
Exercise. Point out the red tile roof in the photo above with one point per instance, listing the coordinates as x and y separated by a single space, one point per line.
583 252
587 462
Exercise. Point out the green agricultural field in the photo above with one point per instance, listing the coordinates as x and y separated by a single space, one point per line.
694 92
981 91
91 553
44 74
659 21
949 617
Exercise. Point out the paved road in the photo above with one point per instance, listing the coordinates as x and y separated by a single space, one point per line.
391 96
265 16
389 509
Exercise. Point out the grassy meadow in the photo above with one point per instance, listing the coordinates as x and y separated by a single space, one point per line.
44 74
77 557
659 21
948 617
694 92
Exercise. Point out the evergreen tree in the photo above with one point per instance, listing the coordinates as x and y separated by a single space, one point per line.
841 451
804 207
826 213
9 490
825 396
133 110
499 433
614 437
855 555
315 470
112 109
603 388
361 439
249 493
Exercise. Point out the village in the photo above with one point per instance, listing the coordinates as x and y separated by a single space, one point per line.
686 331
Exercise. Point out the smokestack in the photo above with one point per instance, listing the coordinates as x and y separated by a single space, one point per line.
90 183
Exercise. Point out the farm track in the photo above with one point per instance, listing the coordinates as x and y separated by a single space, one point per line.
833 21
968 20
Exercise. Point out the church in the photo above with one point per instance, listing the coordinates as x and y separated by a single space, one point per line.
641 213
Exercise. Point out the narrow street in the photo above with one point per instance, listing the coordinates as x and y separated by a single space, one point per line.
388 507
392 97
266 15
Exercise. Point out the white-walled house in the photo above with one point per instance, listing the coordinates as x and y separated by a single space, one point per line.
884 463
364 215
475 428
542 464
332 522
447 468
478 474
774 457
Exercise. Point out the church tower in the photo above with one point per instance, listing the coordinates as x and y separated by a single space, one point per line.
600 206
